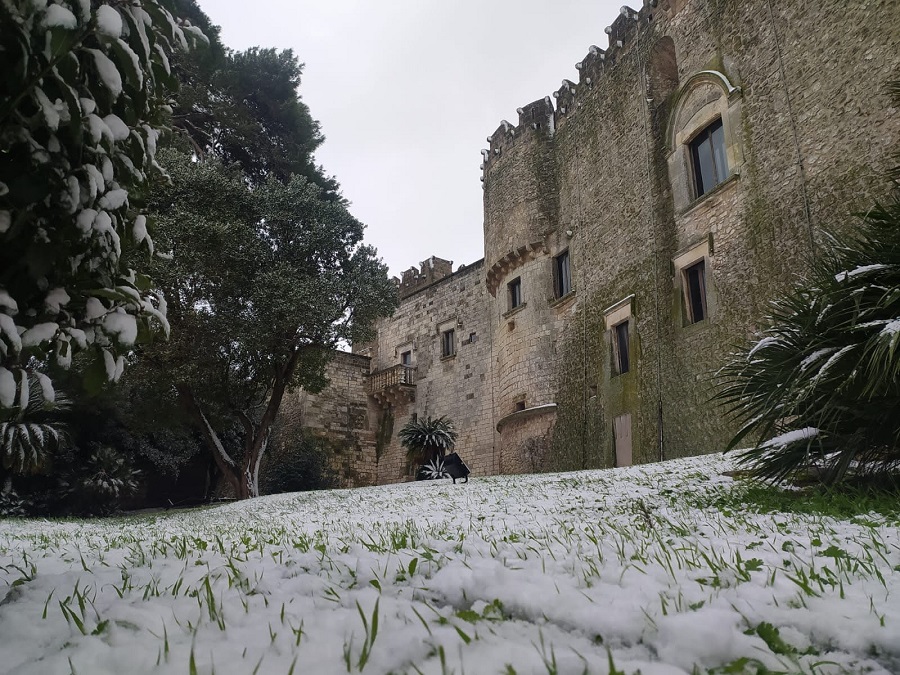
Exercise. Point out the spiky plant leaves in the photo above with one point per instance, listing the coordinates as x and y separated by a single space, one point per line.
31 432
824 380
819 392
426 439
434 470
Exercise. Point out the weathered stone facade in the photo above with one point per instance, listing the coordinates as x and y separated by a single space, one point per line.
458 385
604 179
340 414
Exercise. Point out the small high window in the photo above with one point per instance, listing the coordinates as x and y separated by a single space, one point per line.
562 275
406 358
620 348
515 292
695 291
448 343
708 158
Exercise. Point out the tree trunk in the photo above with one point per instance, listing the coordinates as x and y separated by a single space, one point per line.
243 477
226 465
259 439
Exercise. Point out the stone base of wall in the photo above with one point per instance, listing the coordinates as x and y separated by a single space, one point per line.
526 439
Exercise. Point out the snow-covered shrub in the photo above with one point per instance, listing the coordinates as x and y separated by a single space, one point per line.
83 99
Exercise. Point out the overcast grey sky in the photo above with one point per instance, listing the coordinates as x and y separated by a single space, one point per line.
407 91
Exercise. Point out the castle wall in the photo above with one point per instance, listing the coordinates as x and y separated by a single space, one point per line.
602 172
799 90
459 386
342 415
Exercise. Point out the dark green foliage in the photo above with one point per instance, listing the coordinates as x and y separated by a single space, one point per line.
99 483
82 103
850 499
93 480
243 107
264 284
428 439
257 275
304 463
11 505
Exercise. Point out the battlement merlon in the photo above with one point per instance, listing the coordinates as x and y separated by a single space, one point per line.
535 118
431 270
621 32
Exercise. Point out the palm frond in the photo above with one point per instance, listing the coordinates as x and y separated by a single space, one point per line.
827 365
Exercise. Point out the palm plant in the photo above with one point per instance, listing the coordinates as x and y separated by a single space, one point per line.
31 431
428 439
821 389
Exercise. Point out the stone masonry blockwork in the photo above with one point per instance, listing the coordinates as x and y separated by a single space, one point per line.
602 171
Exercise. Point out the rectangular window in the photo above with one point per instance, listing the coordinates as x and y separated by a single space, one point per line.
562 274
695 291
515 292
620 348
708 158
448 343
406 358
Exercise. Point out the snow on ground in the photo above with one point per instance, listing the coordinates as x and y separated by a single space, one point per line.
560 573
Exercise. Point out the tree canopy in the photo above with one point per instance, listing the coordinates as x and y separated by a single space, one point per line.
263 284
244 107
83 100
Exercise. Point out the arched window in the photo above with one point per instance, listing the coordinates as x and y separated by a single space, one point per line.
703 137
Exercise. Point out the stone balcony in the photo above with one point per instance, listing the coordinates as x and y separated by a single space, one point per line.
393 385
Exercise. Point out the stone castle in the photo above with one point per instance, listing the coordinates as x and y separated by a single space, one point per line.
636 224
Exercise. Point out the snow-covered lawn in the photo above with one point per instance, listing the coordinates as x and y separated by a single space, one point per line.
560 573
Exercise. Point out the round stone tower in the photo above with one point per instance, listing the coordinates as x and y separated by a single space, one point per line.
527 274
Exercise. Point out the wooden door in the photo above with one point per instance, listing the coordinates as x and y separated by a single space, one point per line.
622 436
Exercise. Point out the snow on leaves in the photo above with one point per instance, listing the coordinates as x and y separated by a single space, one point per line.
82 104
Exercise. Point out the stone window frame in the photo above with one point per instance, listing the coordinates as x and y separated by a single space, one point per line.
721 174
689 257
561 290
614 316
446 331
520 403
681 132
514 294
406 347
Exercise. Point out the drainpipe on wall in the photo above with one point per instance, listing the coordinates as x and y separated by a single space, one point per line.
646 100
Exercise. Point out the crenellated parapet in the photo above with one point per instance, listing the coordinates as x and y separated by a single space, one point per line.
536 121
542 117
431 270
